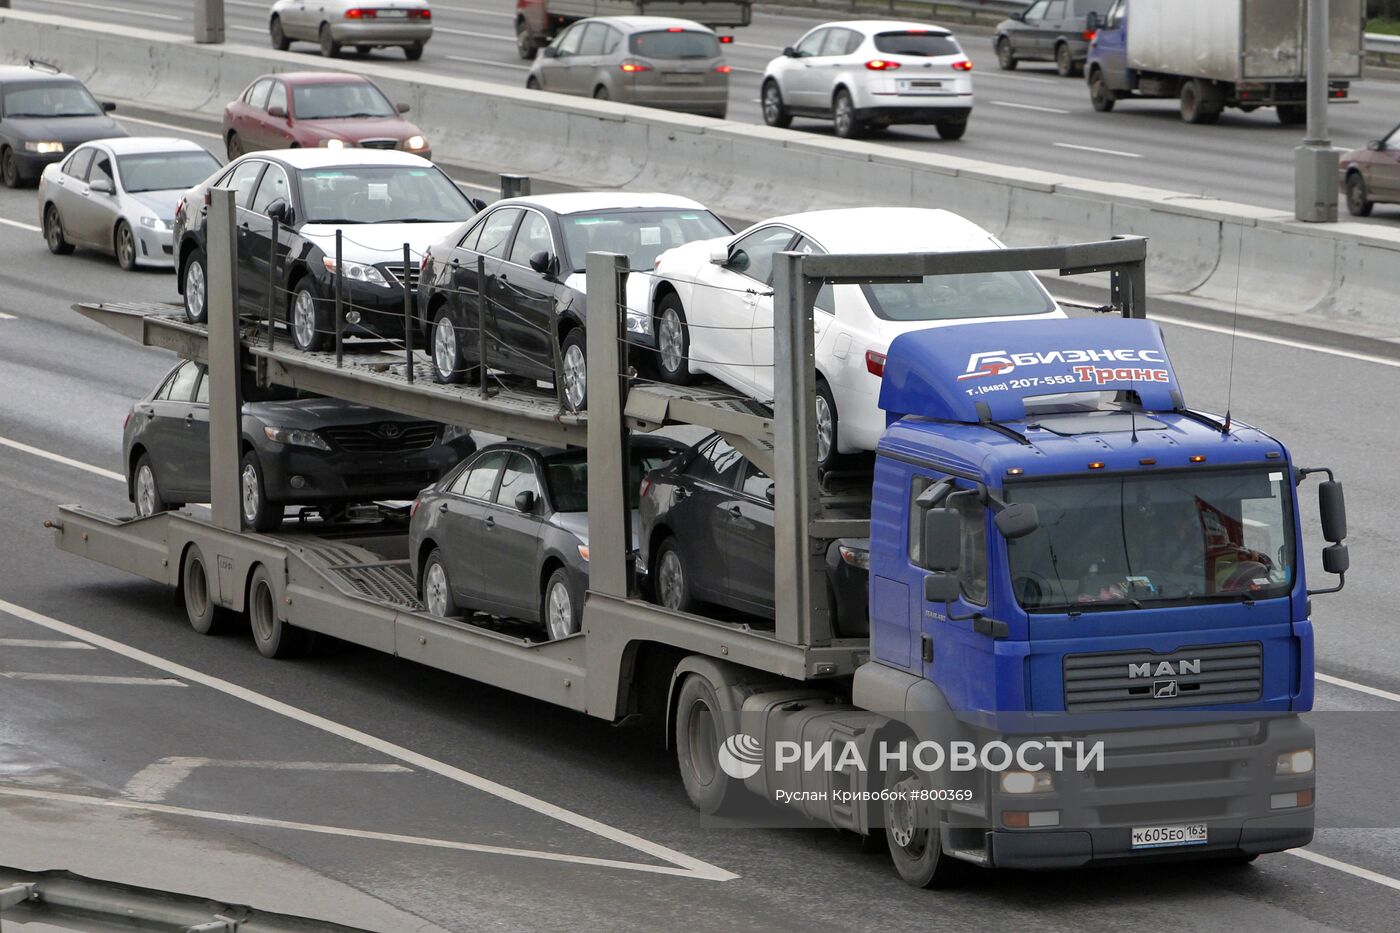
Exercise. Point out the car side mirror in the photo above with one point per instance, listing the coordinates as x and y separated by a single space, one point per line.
1332 509
1376 145
942 540
738 261
280 211
525 501
549 51
478 203
278 112
942 587
102 186
719 254
108 106
789 52
402 108
771 493
1091 22
541 261
1017 520
1019 17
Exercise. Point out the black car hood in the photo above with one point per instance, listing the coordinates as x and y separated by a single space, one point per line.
576 523
66 130
315 413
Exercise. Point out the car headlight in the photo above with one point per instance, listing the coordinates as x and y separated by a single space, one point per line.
416 142
333 144
583 551
155 223
1298 761
1026 782
44 148
451 432
357 272
296 437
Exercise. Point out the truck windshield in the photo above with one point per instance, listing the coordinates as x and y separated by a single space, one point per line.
1109 542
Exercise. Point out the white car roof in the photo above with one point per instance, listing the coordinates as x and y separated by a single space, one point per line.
580 201
637 23
887 229
869 26
126 145
331 158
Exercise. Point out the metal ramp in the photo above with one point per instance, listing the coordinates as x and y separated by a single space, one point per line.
356 571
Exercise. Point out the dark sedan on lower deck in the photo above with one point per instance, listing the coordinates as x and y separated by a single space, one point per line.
298 449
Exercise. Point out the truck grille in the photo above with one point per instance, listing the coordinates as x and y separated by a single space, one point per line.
1228 674
389 437
404 275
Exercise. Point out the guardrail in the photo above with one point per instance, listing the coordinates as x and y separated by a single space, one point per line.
975 11
1382 48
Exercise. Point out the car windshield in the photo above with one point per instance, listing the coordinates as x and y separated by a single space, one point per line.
674 43
376 194
919 44
1108 542
640 235
60 99
165 171
329 101
951 297
567 475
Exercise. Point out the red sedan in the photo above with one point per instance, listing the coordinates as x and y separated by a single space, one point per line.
1372 175
315 109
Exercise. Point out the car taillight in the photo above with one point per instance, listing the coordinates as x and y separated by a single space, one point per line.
646 487
723 69
414 509
875 362
880 64
962 64
420 14
1090 35
357 13
726 40
632 67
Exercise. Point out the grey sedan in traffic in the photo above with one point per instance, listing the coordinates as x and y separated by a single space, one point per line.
655 61
119 195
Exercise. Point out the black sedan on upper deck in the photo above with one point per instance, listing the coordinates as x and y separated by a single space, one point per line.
298 448
45 114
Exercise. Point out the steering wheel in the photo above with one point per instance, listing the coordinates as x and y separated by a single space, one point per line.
1243 575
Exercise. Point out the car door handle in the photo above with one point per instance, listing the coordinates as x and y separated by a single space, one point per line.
150 413
735 511
681 493
490 522
189 419
442 507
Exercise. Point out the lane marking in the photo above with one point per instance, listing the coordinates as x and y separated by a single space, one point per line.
685 865
110 8
44 643
170 126
1280 341
156 780
1359 688
747 71
95 679
1357 872
475 35
260 31
86 800
483 61
1007 103
471 184
21 224
1112 152
59 458
6 317
458 9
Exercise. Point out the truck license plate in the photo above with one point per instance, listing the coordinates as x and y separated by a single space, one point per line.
1156 837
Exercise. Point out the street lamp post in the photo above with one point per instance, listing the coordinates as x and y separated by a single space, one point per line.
209 21
1315 161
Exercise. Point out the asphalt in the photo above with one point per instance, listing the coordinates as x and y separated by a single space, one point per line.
1030 117
468 853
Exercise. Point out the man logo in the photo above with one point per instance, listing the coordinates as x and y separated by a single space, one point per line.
1164 689
740 756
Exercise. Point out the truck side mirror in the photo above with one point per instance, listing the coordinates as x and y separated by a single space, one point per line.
1017 520
942 541
1336 559
1332 509
942 587
525 501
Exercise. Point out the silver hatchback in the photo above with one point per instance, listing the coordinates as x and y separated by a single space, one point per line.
655 61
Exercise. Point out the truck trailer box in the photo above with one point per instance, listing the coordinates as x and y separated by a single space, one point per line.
709 12
1240 40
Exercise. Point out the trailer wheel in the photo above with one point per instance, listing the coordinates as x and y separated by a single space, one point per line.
699 732
198 593
274 636
911 835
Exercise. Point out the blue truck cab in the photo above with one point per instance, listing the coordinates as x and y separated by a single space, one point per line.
1059 546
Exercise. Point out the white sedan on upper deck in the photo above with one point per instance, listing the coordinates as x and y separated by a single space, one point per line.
712 308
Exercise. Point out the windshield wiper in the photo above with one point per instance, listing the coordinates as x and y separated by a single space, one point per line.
415 220
335 220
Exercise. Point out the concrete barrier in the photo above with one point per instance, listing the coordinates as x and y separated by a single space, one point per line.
1203 251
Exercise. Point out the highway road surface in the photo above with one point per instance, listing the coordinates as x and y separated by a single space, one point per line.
472 809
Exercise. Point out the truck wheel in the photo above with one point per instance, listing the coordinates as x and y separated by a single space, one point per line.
1006 57
435 590
700 731
258 513
196 288
557 609
843 116
1359 201
1292 115
198 594
775 113
911 834
1198 104
524 45
145 492
274 635
1100 96
1065 65
672 341
672 581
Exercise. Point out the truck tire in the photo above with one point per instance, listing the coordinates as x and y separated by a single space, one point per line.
1292 114
197 592
699 732
1359 201
1006 56
524 43
915 848
274 635
672 341
1100 95
1198 103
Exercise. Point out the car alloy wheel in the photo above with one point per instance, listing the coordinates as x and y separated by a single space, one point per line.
1006 58
53 232
435 590
9 168
194 290
559 608
329 47
575 376
825 428
524 45
251 494
1064 61
670 339
145 491
304 319
774 113
279 37
844 116
670 582
445 348
1358 199
126 247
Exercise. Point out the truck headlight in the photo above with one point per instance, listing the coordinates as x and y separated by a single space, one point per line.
1298 761
357 272
333 144
415 143
296 437
44 148
1026 782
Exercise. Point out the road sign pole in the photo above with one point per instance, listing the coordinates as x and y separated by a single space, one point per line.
208 21
1315 161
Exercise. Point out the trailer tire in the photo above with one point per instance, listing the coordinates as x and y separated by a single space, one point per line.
699 732
915 849
274 635
197 592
